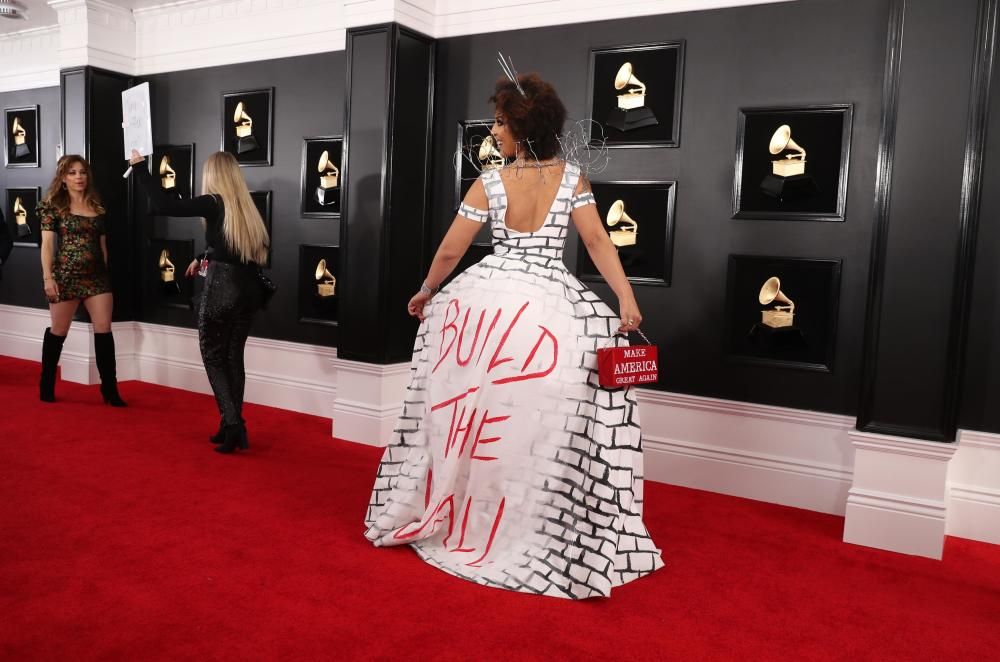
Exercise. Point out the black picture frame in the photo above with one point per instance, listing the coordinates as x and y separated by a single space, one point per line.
25 155
310 205
262 200
660 66
29 196
468 167
181 159
651 204
259 106
313 308
813 284
178 293
820 194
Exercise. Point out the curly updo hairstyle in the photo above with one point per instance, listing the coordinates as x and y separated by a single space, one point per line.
536 118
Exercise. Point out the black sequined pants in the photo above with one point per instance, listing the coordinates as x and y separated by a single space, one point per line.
228 304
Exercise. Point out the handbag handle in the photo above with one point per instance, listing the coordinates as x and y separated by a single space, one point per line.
619 333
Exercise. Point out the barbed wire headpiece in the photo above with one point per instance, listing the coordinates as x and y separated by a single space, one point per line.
507 65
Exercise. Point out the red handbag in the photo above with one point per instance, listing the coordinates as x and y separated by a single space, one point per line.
625 366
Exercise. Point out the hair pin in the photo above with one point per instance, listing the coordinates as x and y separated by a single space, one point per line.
507 65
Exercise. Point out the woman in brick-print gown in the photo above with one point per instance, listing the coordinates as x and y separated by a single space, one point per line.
510 466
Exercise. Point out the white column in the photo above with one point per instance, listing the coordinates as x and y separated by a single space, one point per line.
898 500
368 400
95 33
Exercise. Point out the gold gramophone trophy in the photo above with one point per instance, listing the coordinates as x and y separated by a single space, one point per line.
489 156
329 174
168 177
788 178
166 267
245 142
632 112
326 284
21 218
21 148
781 315
776 330
627 235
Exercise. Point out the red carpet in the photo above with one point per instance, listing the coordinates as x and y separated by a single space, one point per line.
123 536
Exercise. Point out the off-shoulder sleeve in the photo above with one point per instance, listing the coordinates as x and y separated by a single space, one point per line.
47 216
473 214
102 224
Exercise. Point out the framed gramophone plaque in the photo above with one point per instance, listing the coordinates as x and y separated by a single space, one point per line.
635 94
317 282
782 311
247 119
262 200
792 163
321 181
475 152
172 166
23 221
639 218
21 137
163 269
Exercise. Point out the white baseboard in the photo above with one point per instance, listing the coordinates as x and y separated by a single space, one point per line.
792 457
898 500
974 488
786 456
280 374
369 400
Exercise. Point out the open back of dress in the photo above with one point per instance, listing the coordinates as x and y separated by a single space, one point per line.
510 465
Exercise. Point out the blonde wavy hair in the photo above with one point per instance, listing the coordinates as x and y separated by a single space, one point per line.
246 235
58 197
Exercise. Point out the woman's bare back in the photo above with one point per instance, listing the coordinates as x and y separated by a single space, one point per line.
531 190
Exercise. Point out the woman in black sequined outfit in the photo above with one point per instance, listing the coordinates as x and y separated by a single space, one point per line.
75 269
237 243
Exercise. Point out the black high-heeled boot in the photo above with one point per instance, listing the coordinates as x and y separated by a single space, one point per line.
220 434
51 350
233 437
104 349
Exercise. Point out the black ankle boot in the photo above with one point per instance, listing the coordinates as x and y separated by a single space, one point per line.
233 437
104 348
220 434
51 350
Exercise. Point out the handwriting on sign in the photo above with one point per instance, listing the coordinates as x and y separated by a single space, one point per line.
445 511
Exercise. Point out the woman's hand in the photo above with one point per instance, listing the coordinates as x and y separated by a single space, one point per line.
192 269
136 157
416 305
51 290
631 318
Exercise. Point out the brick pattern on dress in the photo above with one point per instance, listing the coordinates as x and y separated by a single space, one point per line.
522 474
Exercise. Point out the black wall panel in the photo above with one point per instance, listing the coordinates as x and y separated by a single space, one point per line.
981 387
822 51
21 283
308 101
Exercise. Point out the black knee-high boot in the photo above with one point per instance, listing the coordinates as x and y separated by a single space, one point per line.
51 350
104 348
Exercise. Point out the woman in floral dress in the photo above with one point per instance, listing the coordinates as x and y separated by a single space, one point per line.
75 269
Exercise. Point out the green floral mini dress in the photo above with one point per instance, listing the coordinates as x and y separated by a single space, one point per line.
79 268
